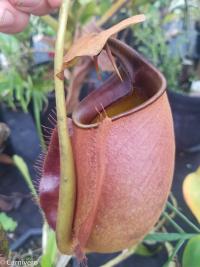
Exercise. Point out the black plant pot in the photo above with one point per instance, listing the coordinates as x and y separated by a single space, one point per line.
186 116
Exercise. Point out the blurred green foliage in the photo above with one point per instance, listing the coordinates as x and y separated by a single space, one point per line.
152 41
191 255
20 81
7 222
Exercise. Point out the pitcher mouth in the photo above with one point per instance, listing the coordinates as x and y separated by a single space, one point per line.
139 78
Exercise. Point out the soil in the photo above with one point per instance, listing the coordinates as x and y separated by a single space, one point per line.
24 142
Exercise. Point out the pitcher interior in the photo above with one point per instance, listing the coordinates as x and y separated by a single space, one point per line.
119 98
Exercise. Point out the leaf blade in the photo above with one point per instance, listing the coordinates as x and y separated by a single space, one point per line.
191 255
191 192
163 237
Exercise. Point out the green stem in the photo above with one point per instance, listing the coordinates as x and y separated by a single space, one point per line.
183 217
176 226
67 175
53 23
174 253
164 237
49 20
121 257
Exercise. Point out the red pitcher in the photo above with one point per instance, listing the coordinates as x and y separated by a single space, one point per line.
123 144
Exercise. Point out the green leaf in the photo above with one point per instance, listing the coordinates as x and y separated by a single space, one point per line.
49 247
191 192
191 255
88 11
183 217
7 222
163 237
142 250
84 2
23 168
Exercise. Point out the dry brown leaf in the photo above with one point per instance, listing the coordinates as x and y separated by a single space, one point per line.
92 43
81 70
4 133
5 159
104 62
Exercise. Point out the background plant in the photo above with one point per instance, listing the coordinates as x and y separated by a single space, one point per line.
152 41
164 38
20 81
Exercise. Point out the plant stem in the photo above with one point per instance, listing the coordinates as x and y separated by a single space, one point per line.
114 9
121 257
164 237
176 226
67 175
183 217
49 20
53 23
162 221
174 253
